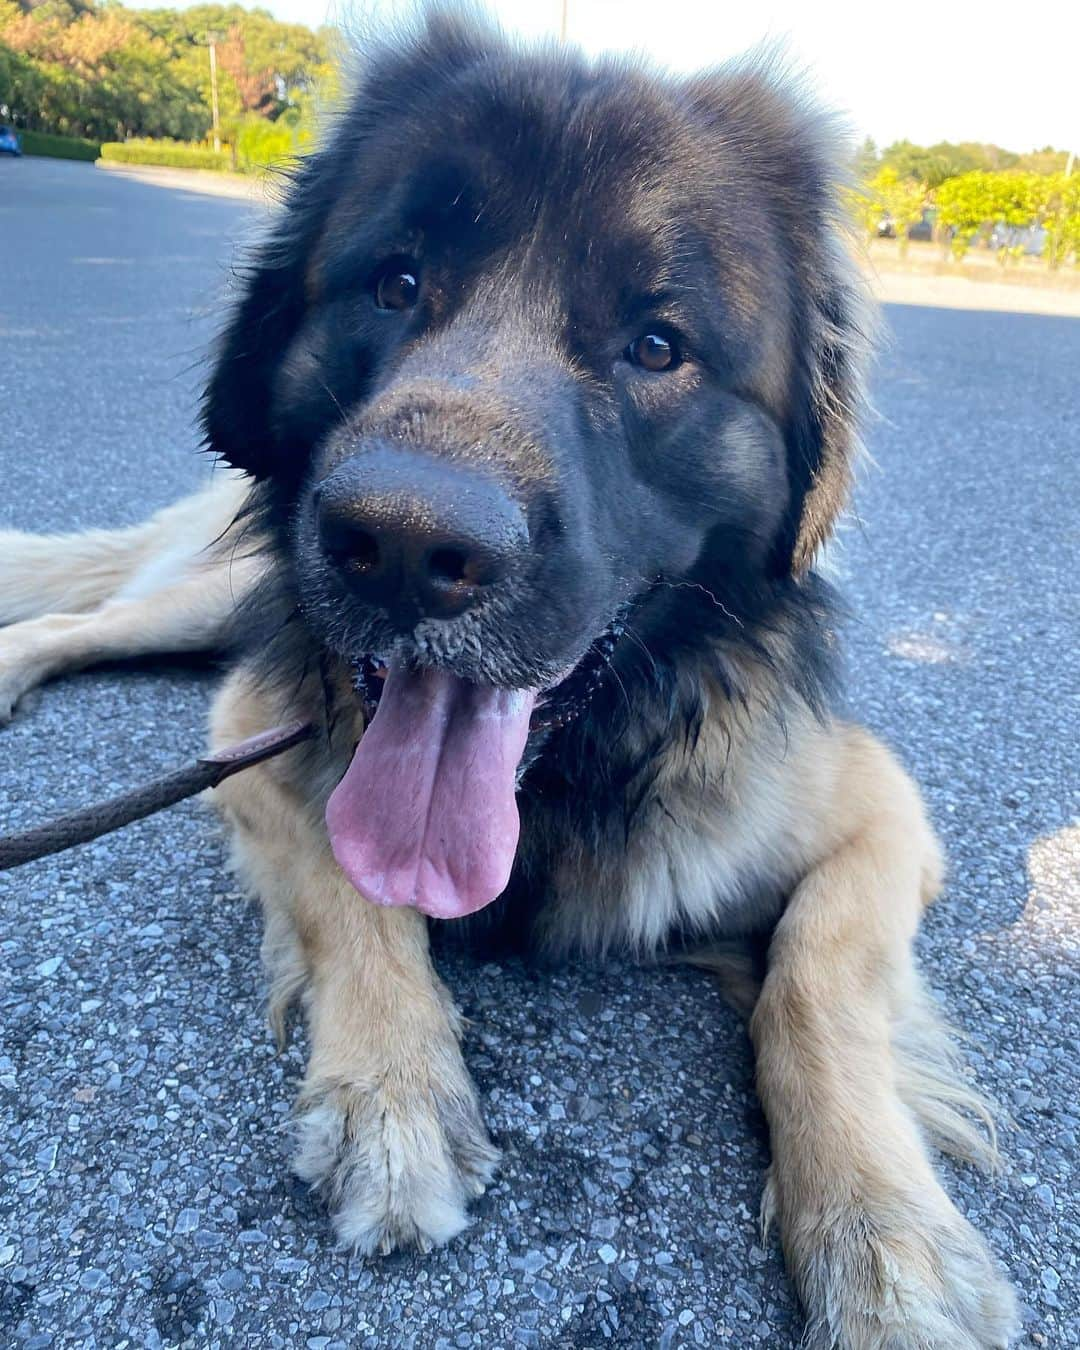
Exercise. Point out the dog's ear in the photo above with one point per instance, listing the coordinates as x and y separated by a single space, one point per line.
237 411
832 319
390 73
795 153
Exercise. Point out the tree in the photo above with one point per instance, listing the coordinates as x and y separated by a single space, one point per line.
1044 161
100 70
262 64
934 164
917 163
21 86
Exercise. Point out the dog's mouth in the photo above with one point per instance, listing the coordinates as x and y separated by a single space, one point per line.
426 814
562 701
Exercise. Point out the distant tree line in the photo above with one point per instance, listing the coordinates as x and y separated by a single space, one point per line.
934 163
971 193
98 70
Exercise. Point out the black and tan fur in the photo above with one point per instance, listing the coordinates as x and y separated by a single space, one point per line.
706 796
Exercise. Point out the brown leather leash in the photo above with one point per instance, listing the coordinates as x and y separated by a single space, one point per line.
79 827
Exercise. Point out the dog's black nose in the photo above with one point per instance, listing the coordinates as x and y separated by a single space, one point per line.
416 536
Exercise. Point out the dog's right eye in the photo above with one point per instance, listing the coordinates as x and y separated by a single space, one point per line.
397 286
653 351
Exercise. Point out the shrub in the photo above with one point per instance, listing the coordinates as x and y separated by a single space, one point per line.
971 204
170 154
57 147
259 144
1058 203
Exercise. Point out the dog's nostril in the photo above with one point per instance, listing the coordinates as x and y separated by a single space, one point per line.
350 543
363 551
451 566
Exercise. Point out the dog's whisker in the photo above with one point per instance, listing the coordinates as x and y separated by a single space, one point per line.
697 586
334 399
632 634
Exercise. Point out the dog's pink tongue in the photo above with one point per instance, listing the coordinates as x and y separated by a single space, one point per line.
426 813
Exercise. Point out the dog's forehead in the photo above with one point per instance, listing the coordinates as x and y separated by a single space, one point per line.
592 142
606 154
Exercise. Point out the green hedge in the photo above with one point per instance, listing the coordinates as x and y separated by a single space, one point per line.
261 145
57 147
172 154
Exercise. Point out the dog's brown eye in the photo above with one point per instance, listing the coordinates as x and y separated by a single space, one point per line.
653 352
397 288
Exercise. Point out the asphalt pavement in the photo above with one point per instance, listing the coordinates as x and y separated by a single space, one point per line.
145 1198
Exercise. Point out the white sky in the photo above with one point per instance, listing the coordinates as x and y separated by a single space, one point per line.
992 71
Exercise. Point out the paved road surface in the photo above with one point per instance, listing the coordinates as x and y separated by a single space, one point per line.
144 1197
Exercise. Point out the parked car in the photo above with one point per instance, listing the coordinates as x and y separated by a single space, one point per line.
922 230
9 142
1030 238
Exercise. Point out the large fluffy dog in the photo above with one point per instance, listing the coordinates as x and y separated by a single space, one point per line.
545 380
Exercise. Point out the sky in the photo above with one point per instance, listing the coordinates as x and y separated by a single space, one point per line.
990 72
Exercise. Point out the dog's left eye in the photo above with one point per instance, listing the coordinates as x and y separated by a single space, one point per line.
397 287
652 351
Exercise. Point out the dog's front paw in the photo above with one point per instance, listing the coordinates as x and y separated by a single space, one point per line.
899 1271
397 1159
19 672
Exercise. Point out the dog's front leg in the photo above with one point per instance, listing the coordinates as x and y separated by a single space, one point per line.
388 1124
848 1060
388 1127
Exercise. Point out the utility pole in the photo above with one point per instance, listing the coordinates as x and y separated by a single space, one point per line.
562 24
211 42
1069 163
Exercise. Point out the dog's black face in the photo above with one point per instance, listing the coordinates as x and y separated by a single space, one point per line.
539 349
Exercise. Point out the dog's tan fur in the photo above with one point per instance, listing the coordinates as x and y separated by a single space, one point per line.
167 585
856 1075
